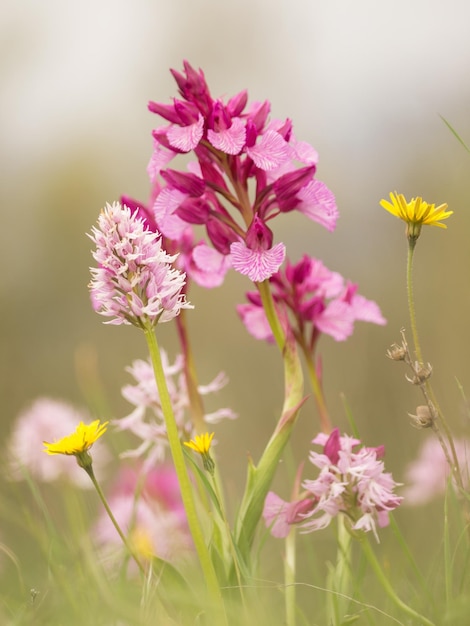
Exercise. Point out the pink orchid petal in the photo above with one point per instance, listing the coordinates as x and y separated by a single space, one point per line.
257 264
160 158
275 515
186 138
255 321
230 140
367 310
319 204
270 152
336 320
209 266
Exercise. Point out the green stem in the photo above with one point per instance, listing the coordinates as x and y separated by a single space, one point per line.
181 471
325 422
342 574
411 304
91 474
427 388
289 578
270 311
195 400
389 590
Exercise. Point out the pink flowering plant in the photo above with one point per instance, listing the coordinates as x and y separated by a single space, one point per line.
164 533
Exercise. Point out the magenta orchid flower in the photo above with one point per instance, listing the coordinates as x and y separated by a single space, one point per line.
311 300
233 143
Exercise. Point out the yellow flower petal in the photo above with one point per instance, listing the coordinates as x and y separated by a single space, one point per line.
200 443
416 211
78 442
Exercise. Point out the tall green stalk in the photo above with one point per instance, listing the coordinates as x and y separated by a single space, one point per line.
182 473
260 476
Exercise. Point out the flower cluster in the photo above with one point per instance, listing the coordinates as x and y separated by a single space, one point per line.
234 145
352 483
135 281
317 301
147 422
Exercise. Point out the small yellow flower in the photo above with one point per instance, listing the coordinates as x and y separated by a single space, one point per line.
202 444
416 213
141 542
80 441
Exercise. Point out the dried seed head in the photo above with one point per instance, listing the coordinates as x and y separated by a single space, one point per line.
421 373
423 417
396 352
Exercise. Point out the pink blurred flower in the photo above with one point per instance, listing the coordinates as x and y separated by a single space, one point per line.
49 420
147 422
135 280
427 476
350 482
151 515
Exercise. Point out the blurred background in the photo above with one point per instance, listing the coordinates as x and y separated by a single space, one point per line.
366 83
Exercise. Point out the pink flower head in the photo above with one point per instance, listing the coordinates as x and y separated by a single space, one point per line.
350 482
248 173
135 280
427 476
49 420
315 300
147 422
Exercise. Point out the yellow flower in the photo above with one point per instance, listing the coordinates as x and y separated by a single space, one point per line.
80 441
416 213
202 444
141 542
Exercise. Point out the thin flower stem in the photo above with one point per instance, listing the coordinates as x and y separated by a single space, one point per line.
181 471
91 474
231 545
389 590
454 465
325 421
342 571
289 578
426 387
411 304
195 400
271 314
